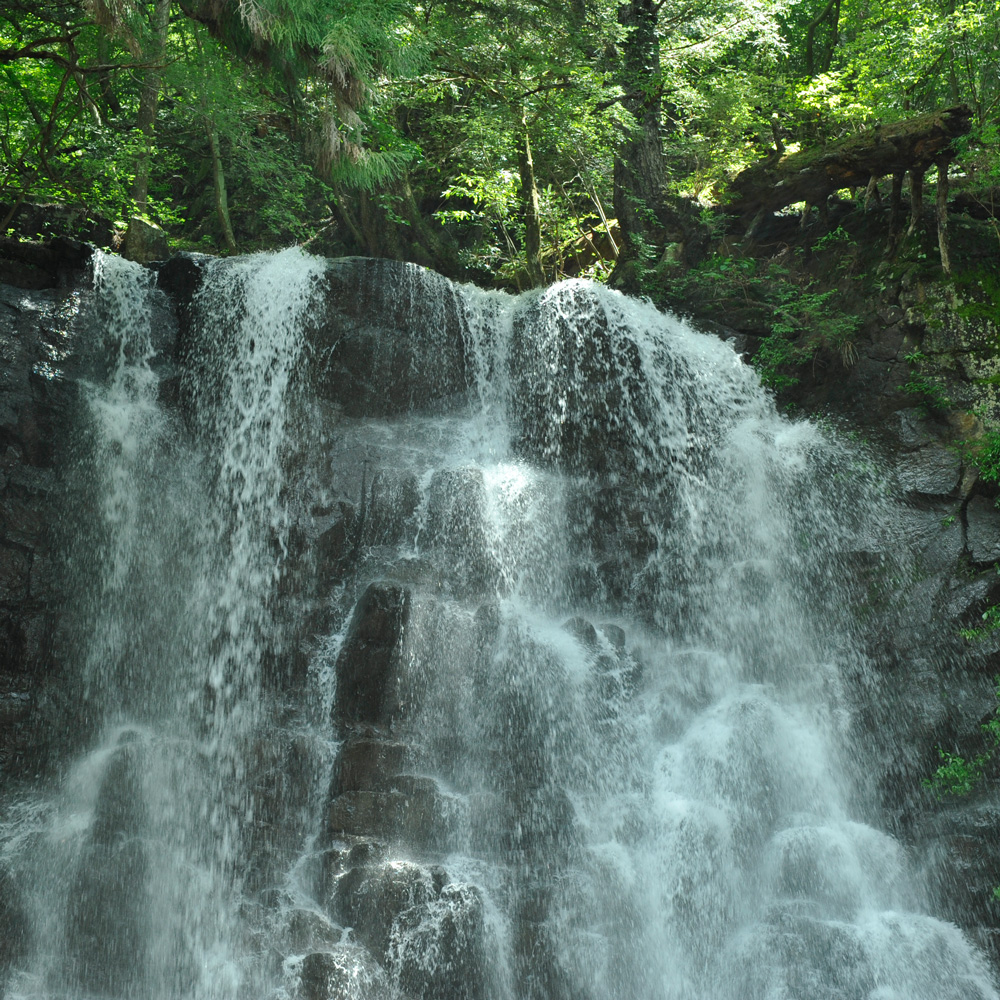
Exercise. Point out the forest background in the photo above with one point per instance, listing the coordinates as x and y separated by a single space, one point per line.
509 142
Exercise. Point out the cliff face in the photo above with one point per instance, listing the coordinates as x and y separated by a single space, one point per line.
42 330
938 670
51 332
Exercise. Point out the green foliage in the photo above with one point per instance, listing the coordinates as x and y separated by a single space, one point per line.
959 775
925 387
985 452
991 622
802 321
319 107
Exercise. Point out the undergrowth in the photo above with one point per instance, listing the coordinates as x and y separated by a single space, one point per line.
802 320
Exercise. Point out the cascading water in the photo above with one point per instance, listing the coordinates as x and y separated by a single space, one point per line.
580 608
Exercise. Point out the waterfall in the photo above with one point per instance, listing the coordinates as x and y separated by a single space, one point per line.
435 643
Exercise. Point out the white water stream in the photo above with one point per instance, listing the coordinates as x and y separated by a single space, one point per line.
630 643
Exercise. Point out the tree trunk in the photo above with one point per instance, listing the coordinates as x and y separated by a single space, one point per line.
530 204
149 101
895 207
648 217
104 84
916 200
942 215
219 182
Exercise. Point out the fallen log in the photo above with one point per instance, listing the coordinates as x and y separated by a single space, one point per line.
812 175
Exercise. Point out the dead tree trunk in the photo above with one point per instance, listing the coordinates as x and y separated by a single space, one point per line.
916 200
942 215
895 209
812 175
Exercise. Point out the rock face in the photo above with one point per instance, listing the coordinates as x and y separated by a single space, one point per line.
371 353
38 331
51 336
595 374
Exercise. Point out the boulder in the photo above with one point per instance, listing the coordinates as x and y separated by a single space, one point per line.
583 632
934 470
367 668
982 530
144 242
347 972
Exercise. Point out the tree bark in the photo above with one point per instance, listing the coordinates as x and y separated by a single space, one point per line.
531 207
942 215
810 175
648 216
149 101
895 208
916 200
219 183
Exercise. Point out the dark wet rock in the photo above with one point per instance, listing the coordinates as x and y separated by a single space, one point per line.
983 530
487 623
181 276
583 632
367 764
309 931
964 871
614 530
32 266
15 569
578 393
107 915
15 927
456 516
393 498
370 900
144 242
819 959
934 470
347 972
367 668
390 338
439 948
281 772
612 682
351 852
615 634
414 812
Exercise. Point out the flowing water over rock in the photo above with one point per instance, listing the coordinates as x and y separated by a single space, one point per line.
442 645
